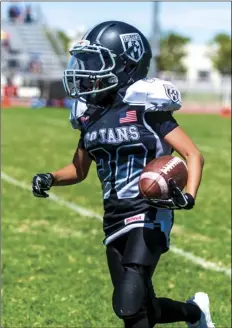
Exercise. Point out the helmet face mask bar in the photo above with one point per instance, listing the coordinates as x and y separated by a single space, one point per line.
89 70
110 56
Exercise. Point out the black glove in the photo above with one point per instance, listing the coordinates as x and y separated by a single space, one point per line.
178 201
41 183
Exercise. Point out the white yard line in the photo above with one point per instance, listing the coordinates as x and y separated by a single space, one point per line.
84 212
200 261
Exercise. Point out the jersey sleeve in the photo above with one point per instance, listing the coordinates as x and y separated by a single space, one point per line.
154 94
161 122
164 97
78 109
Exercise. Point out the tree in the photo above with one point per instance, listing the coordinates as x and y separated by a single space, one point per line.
172 51
65 40
221 53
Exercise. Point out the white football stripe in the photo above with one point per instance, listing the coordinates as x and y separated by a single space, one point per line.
82 211
180 160
159 179
171 164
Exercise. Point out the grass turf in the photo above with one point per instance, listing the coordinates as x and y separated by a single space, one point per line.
54 272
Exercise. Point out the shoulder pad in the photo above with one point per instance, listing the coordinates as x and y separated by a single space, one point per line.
78 109
154 94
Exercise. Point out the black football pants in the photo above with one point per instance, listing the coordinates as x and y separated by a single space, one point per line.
141 249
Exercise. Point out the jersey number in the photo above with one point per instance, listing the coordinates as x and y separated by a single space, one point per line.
122 175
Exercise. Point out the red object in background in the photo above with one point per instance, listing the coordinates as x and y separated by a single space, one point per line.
5 102
59 103
10 91
226 112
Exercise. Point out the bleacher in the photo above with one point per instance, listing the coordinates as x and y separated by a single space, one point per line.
29 39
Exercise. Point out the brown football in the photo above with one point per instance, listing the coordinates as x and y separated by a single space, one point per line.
153 182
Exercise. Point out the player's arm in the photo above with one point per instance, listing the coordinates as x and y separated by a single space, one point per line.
167 128
182 144
73 173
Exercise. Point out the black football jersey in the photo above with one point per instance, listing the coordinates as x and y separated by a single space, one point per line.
121 139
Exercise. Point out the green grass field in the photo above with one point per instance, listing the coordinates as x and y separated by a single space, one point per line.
54 271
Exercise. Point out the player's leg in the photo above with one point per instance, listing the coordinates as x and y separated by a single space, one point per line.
131 261
119 274
196 312
144 248
114 253
175 311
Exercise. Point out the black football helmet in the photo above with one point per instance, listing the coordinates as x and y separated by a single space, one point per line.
109 56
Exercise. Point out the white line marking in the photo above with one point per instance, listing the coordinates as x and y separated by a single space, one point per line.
198 260
76 208
82 211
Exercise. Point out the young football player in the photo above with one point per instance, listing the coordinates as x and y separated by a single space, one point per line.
126 120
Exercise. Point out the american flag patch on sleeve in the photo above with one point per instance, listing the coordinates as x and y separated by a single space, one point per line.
129 116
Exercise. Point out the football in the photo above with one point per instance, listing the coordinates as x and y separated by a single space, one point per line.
153 182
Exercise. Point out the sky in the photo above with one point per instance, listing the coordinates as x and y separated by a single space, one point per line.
198 20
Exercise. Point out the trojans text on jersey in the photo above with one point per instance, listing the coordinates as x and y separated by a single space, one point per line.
112 135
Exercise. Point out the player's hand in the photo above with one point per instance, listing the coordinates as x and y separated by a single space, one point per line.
178 201
41 183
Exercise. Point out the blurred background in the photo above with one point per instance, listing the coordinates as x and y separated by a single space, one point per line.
191 45
53 268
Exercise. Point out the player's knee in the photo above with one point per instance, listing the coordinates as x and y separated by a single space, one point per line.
129 293
133 295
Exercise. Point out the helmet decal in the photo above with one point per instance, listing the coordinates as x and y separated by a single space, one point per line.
110 56
133 46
